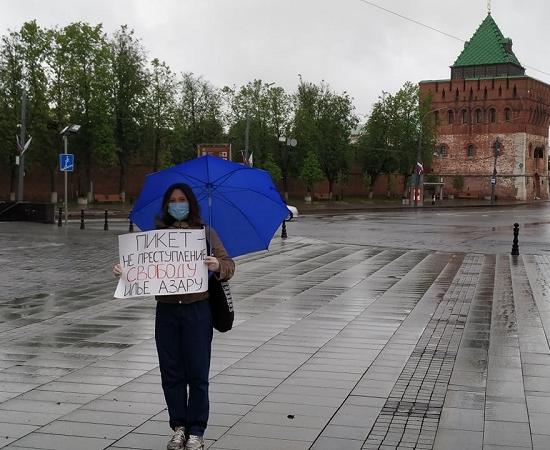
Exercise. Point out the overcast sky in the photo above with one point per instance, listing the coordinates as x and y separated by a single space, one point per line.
348 43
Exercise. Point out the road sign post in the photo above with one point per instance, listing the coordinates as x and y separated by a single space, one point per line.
66 164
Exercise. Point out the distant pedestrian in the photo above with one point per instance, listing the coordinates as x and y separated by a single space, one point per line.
183 329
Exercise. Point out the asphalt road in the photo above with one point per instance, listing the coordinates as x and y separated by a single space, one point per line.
478 230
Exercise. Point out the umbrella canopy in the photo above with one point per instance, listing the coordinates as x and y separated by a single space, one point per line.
241 203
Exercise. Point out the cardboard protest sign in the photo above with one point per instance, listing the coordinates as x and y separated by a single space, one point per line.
162 262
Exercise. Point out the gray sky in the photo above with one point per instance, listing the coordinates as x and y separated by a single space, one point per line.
351 45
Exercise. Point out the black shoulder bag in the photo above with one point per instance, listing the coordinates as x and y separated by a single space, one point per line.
221 302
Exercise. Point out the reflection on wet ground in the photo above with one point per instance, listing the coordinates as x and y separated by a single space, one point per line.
335 346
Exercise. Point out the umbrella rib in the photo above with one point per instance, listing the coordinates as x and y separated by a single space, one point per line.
247 189
218 194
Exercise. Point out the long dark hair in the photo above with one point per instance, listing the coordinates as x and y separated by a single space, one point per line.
165 220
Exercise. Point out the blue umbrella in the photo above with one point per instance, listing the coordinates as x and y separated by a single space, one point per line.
241 203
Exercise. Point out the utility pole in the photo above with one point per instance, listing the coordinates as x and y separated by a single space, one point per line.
21 146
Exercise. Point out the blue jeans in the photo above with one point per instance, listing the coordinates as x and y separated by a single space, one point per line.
183 334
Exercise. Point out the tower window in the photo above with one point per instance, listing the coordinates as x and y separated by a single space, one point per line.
443 150
479 116
450 116
507 114
470 151
464 116
492 115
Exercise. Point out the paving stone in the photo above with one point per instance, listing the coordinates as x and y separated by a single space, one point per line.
104 431
331 443
506 411
59 442
462 419
507 433
232 442
416 347
447 439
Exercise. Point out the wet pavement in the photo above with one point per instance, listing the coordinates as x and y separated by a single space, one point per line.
338 344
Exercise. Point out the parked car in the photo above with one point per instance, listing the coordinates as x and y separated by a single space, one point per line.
292 212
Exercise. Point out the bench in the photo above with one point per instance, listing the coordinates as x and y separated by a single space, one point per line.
319 196
100 198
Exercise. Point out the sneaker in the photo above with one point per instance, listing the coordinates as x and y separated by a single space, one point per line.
194 443
177 442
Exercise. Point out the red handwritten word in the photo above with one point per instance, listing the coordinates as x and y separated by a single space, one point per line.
161 271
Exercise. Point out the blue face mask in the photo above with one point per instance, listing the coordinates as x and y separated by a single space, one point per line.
178 211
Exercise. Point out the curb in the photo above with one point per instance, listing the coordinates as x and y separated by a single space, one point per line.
334 210
307 212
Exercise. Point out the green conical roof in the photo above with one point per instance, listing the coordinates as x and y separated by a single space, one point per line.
487 46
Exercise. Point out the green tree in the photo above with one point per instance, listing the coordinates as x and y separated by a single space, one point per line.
129 97
279 121
389 142
311 171
160 108
198 117
273 169
260 112
323 123
11 76
89 83
36 48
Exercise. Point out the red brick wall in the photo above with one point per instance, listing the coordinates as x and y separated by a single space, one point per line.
525 129
105 181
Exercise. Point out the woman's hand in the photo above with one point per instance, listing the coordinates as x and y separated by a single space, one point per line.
212 263
117 270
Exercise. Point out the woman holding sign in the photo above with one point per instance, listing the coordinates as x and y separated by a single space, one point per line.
183 328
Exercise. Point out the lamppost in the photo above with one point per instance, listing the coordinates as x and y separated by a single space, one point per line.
287 142
496 153
22 146
65 132
419 168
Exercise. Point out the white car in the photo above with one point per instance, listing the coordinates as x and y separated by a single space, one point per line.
292 212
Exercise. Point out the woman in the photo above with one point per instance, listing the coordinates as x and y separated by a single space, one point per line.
183 329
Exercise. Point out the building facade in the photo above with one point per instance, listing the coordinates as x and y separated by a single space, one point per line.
491 122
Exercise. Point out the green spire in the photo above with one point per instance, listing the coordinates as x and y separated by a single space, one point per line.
487 46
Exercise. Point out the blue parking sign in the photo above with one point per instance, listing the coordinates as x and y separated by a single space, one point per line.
66 162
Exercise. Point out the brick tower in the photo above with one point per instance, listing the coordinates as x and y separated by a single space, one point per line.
492 122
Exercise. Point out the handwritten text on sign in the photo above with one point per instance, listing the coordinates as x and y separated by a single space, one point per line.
162 262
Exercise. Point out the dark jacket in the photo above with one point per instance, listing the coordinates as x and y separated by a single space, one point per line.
227 267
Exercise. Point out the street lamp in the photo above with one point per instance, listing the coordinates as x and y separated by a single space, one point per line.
22 146
287 142
496 154
419 168
65 132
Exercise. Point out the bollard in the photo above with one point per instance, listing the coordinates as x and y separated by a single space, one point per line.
59 218
283 231
515 245
106 226
81 219
131 226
